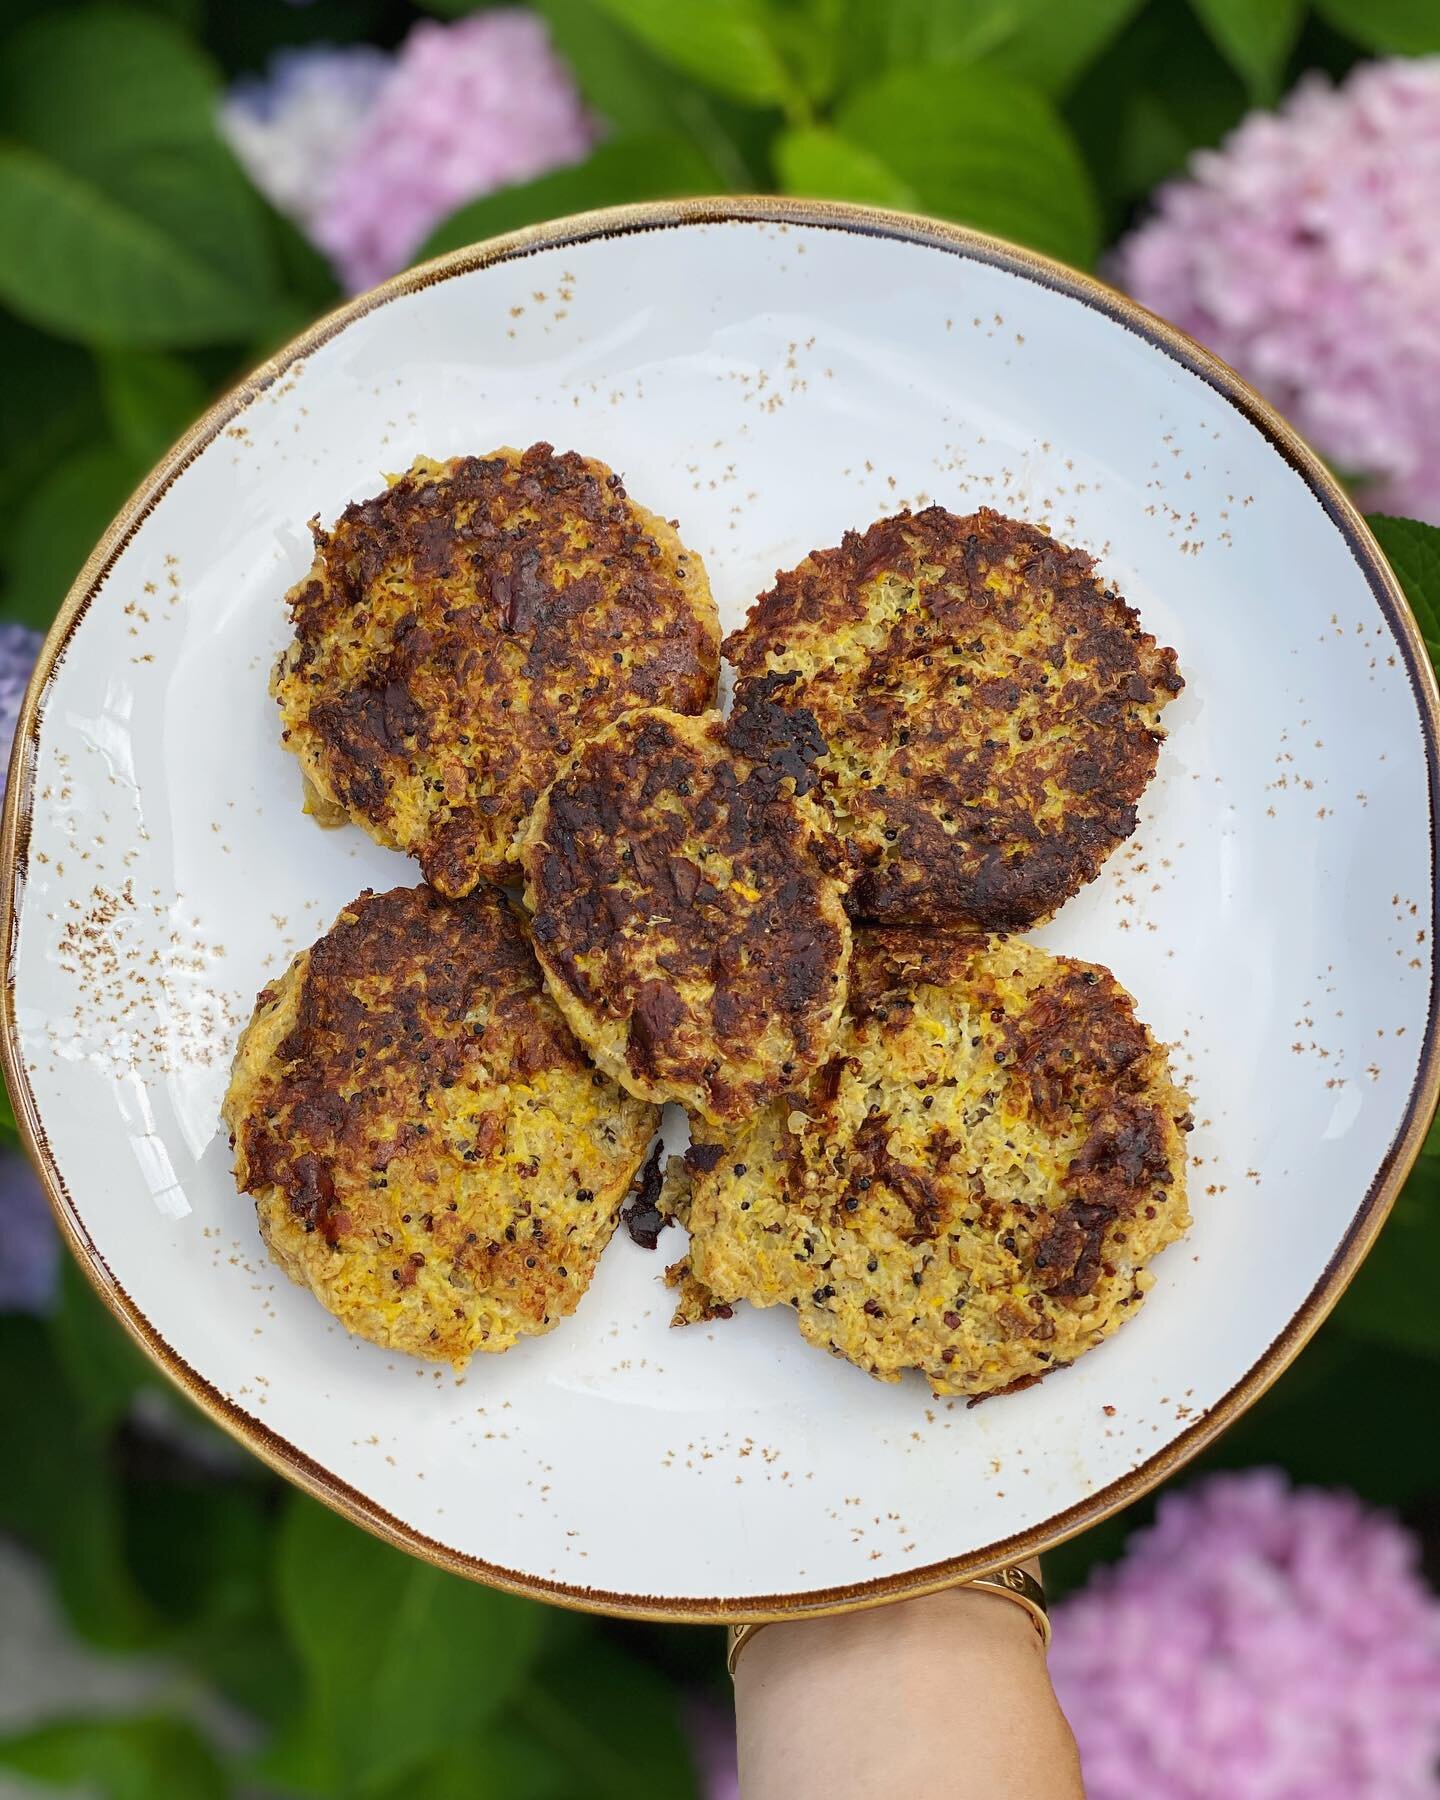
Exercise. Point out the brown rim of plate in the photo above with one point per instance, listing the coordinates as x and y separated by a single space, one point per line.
616 222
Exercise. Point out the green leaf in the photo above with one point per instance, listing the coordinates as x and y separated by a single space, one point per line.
615 1720
381 1701
103 1367
1392 1299
811 39
977 147
201 1546
129 78
123 219
819 164
123 1759
59 1493
307 277
1053 46
640 168
49 405
639 94
502 1764
1255 37
1031 40
1413 551
150 399
1369 1387
629 88
144 257
1409 27
58 527
1159 92
727 45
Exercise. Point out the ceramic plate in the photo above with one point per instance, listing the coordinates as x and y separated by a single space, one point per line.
769 374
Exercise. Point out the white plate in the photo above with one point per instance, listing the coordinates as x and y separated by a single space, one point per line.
768 374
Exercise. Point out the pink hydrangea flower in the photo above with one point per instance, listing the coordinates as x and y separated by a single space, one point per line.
1306 252
1256 1643
469 107
290 127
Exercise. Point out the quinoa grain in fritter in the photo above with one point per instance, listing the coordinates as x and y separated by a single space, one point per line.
429 1149
685 913
457 636
972 1186
991 711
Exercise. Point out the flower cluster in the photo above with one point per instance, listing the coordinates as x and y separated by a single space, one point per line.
29 1247
1305 252
19 646
292 128
1258 1642
368 152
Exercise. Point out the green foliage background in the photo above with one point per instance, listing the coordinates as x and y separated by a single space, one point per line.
140 273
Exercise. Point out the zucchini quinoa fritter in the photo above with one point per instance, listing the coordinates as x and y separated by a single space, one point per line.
972 1186
686 913
991 711
429 1150
459 633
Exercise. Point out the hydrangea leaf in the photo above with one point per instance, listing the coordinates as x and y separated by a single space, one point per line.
637 94
1159 92
124 1759
728 45
150 399
1255 37
1392 1299
130 78
59 1492
49 404
622 170
821 165
502 1763
1413 549
123 219
59 525
615 1720
102 1365
377 1705
1409 27
980 148
1037 41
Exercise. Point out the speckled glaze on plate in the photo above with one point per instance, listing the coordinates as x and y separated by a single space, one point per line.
768 373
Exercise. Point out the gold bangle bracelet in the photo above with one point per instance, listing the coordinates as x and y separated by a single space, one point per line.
1010 1584
1020 1586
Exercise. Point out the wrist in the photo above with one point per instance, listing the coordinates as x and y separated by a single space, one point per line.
953 1623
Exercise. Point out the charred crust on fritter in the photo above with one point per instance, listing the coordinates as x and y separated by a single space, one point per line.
1080 1053
971 1184
682 898
463 629
430 1151
946 737
405 1034
784 743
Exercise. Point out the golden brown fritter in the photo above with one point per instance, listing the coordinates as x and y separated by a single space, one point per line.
991 711
685 915
459 633
429 1150
972 1186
